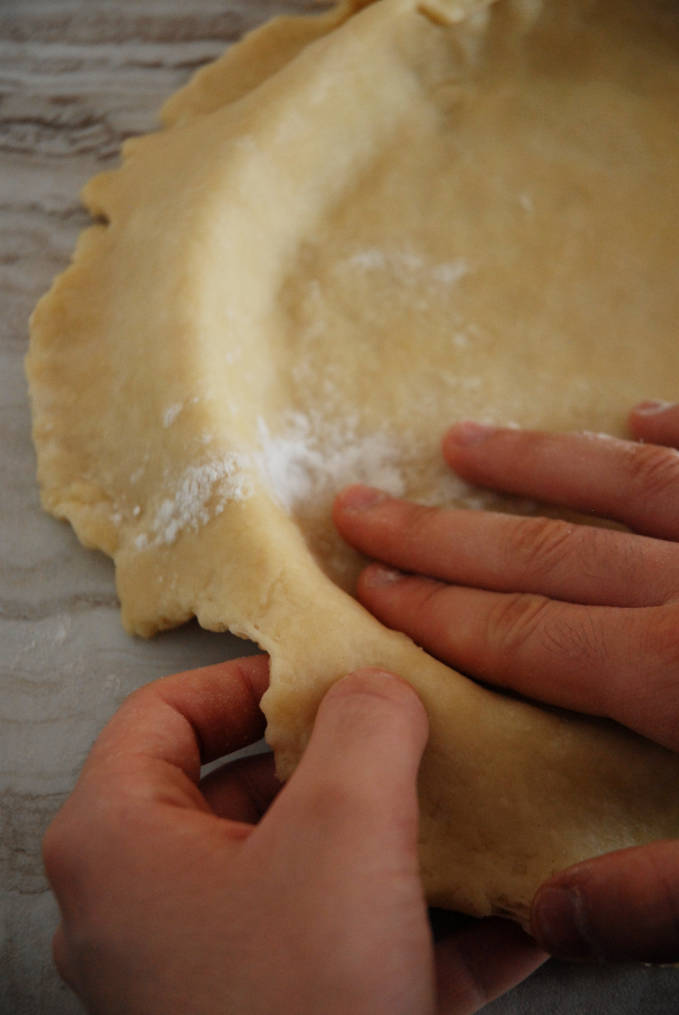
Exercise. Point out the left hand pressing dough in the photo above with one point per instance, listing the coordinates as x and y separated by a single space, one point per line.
354 229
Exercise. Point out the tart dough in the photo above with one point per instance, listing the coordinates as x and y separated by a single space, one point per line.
352 230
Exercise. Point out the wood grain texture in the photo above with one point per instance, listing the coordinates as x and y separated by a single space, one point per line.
76 78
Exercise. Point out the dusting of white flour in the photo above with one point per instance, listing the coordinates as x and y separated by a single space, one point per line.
410 266
311 459
301 464
171 413
201 493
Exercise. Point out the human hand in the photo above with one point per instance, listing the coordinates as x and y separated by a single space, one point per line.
582 617
178 897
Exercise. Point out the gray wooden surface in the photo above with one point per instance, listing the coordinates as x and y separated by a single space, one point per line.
76 78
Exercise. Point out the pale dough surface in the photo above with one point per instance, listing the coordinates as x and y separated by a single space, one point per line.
352 230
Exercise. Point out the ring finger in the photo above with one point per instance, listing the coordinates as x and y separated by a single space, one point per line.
504 553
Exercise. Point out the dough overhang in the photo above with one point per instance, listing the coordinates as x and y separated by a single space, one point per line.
354 229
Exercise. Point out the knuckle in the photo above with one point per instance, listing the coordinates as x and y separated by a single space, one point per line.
581 641
416 519
514 621
429 608
542 543
654 470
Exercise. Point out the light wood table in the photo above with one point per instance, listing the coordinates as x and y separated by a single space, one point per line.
76 78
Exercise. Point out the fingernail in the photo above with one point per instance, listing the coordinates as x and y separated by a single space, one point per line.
468 433
368 677
651 407
360 498
376 576
560 922
373 674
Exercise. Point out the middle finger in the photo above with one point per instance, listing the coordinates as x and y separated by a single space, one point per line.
506 553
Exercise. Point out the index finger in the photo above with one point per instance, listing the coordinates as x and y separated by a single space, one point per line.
187 719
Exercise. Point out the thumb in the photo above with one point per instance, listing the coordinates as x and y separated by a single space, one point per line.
622 906
356 781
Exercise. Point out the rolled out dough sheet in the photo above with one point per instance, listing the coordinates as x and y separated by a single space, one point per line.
352 230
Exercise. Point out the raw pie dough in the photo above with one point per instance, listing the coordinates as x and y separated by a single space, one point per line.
354 229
